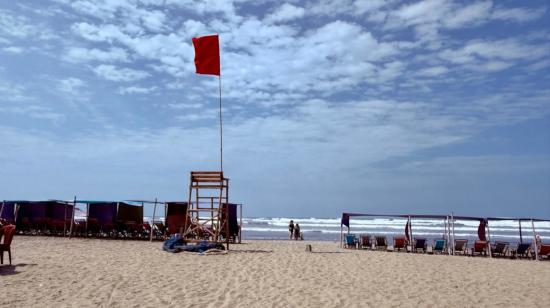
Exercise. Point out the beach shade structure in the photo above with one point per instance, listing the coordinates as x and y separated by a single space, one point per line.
101 219
366 242
399 243
439 246
8 231
59 215
460 246
31 216
129 219
176 217
7 211
234 228
345 222
500 249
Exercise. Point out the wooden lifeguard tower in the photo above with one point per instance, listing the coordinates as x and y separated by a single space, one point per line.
208 195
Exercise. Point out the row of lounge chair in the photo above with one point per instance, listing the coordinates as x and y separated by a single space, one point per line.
479 248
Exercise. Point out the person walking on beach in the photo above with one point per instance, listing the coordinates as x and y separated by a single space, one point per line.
291 228
297 232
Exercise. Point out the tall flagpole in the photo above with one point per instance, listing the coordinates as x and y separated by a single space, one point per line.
221 129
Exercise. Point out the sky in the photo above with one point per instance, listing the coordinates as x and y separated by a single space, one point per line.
328 106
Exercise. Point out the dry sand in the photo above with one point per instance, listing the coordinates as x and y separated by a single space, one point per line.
58 272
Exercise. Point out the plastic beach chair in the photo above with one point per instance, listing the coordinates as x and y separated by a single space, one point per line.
366 241
399 242
480 248
8 232
380 242
544 251
522 250
419 244
500 249
460 246
439 246
351 242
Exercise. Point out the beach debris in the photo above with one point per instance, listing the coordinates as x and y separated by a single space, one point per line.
308 248
177 244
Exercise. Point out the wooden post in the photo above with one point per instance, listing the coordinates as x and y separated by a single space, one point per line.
453 231
87 217
153 222
535 240
410 234
16 213
488 239
240 221
65 220
72 219
341 236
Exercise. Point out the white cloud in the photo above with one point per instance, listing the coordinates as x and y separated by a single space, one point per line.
34 112
71 85
494 55
13 49
468 15
433 71
113 73
136 90
517 14
286 12
79 54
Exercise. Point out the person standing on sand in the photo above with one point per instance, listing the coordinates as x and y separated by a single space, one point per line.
291 228
297 232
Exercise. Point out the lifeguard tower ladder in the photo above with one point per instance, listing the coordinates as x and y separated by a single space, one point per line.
208 193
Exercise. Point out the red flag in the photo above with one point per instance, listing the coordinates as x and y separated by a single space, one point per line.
207 55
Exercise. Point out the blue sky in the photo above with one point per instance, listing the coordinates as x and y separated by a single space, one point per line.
329 106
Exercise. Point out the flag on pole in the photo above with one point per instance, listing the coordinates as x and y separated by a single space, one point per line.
207 55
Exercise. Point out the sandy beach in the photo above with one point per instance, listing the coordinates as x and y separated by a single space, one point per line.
58 272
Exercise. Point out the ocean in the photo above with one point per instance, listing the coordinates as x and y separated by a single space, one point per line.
328 229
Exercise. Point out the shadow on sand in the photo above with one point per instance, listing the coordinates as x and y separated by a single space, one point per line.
251 251
6 270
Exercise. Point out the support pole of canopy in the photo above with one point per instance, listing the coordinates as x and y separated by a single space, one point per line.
65 220
488 239
16 212
451 245
2 208
341 236
410 233
536 247
87 217
166 215
240 221
520 235
153 222
453 225
72 218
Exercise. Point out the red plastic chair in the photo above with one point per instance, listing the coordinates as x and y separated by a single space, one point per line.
9 231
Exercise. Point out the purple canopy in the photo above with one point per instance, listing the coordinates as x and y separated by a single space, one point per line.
103 212
128 212
233 224
8 211
59 211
